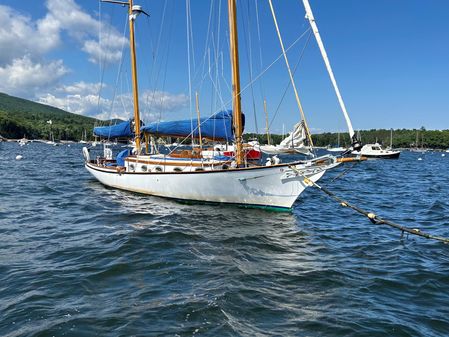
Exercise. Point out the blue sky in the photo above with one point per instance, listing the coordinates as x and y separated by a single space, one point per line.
390 58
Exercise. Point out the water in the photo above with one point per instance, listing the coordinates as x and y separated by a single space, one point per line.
80 259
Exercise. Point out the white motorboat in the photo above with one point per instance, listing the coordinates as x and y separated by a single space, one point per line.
376 151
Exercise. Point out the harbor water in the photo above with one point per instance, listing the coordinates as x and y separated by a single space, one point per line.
80 259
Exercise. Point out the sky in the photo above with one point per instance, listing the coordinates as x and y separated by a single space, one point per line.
390 59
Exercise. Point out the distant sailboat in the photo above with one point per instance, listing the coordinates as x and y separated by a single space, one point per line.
337 149
83 139
51 139
417 148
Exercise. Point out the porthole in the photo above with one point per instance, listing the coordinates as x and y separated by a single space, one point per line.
177 169
158 169
143 168
132 167
199 169
224 167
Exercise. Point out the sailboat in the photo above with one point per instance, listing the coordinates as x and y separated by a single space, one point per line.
186 175
417 148
337 149
83 139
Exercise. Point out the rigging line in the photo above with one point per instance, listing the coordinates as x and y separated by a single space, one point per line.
156 57
262 73
298 102
164 66
248 44
203 62
99 70
102 59
289 82
218 92
260 44
228 86
370 215
191 38
119 70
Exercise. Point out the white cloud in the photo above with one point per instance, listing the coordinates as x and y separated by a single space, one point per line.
25 43
86 30
81 88
82 98
20 36
23 76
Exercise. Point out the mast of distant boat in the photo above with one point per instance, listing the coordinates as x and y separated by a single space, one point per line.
310 17
236 103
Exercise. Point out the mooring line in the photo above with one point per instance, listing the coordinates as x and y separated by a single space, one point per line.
370 215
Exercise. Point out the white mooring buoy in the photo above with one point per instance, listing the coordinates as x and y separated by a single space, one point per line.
19 157
419 158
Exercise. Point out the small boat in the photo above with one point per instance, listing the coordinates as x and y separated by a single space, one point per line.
23 141
372 151
338 148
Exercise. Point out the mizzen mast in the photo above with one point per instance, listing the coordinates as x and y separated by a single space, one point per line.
236 99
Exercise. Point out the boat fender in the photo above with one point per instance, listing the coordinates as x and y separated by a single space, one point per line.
120 169
276 160
269 162
86 154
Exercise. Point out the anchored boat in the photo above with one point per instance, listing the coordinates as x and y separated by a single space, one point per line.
187 174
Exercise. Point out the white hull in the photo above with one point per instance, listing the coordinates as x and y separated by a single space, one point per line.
270 187
375 151
336 149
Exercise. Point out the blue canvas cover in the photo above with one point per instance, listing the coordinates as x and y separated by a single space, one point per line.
216 127
120 159
122 129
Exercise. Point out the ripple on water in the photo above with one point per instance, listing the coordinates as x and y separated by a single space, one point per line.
80 259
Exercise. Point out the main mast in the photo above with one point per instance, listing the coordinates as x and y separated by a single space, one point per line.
236 102
132 18
133 12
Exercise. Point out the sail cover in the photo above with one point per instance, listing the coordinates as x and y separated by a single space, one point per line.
122 129
216 127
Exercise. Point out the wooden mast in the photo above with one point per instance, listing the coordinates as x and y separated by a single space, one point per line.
133 12
132 18
236 103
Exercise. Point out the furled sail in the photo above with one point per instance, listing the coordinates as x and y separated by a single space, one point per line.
295 142
122 129
216 127
296 138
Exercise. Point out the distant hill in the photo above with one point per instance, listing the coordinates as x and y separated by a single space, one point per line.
20 117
